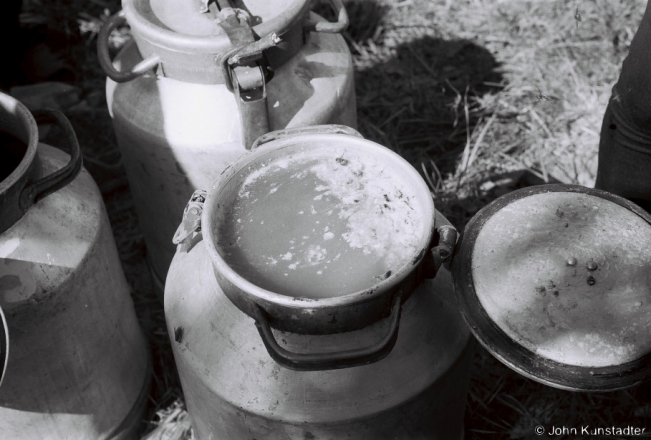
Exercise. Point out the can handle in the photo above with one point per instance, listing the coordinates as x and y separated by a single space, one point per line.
105 59
4 346
45 186
330 28
334 360
315 129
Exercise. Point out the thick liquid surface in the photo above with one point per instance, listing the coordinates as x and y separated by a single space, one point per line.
311 226
12 151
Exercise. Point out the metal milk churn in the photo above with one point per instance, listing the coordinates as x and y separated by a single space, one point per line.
77 364
346 338
202 80
310 295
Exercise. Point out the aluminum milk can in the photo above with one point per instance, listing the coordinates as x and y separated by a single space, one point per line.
78 364
330 247
358 350
202 80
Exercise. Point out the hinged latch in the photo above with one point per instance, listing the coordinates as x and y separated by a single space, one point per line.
245 67
441 254
191 222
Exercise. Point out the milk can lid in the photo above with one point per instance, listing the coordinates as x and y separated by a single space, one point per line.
201 17
187 39
555 281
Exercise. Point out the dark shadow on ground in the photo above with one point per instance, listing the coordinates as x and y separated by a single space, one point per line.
415 102
422 101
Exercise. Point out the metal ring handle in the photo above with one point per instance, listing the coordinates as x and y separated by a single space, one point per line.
4 346
334 360
105 59
315 129
327 27
57 180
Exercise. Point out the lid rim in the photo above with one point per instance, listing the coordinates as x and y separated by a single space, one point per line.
23 116
12 186
503 347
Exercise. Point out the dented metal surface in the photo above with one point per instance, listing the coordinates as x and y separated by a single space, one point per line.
333 309
234 389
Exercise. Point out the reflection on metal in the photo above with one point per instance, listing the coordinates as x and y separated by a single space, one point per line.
78 365
179 126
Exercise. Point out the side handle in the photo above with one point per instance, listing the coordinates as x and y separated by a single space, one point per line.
334 360
139 69
47 185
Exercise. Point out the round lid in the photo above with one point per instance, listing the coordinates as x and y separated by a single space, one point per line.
555 281
188 37
201 17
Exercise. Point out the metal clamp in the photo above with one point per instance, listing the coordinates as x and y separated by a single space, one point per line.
247 54
191 223
330 28
139 69
334 360
441 254
60 178
245 69
314 129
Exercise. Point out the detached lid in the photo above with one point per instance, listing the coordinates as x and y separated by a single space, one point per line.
555 281
188 37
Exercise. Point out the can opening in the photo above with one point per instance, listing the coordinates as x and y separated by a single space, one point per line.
320 222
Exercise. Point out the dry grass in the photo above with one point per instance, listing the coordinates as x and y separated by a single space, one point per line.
467 90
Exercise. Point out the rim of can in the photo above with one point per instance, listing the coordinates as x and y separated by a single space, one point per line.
303 141
15 115
17 121
161 35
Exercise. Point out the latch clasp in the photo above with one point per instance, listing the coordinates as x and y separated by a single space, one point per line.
245 68
191 222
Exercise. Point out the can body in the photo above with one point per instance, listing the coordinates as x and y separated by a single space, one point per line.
78 363
178 136
234 389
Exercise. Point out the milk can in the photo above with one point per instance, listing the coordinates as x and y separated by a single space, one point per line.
310 295
201 80
78 364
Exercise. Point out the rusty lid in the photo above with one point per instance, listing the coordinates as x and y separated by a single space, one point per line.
555 281
188 38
